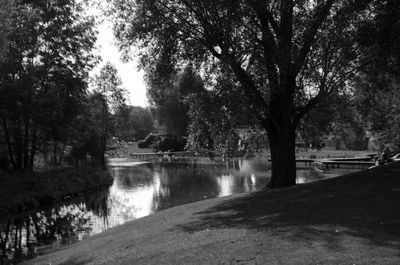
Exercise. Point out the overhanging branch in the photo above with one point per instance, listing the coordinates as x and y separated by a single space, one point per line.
308 37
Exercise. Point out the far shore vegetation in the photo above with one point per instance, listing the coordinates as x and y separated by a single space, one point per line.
21 191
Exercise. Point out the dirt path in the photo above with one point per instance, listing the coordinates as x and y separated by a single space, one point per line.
354 219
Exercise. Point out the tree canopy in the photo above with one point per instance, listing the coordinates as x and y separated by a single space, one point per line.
287 56
111 96
377 87
44 73
6 11
133 123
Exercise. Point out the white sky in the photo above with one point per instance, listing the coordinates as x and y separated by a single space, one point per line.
132 79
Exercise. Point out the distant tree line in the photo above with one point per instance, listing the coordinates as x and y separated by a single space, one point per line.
43 78
133 123
48 115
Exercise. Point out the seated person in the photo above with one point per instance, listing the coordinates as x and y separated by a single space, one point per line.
384 158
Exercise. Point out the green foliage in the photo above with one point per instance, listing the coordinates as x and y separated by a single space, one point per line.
169 142
22 191
133 123
255 142
284 57
6 11
163 142
87 133
109 85
43 77
169 98
108 98
149 140
214 115
377 88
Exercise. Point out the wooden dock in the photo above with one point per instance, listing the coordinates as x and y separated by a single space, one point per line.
160 155
322 164
304 161
350 164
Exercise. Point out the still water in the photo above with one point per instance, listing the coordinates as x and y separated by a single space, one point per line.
139 189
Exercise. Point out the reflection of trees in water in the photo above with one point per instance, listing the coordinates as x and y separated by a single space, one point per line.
253 166
23 235
304 176
183 183
129 177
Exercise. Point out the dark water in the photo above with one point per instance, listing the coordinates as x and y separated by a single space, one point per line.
138 190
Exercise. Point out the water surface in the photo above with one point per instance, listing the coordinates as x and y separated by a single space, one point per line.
139 189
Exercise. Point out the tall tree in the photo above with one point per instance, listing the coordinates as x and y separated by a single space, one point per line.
44 74
6 11
109 86
133 123
377 88
168 98
287 55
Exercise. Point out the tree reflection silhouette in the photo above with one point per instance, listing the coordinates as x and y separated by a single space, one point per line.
23 236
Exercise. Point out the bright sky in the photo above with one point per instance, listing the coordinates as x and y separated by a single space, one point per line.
132 79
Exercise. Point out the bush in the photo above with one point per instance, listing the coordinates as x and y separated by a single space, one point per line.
169 143
20 191
148 141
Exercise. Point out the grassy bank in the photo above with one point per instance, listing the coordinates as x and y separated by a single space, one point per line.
24 190
353 219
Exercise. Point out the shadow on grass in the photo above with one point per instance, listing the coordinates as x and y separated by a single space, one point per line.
76 261
365 205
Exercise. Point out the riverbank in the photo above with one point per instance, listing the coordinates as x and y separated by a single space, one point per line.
25 190
353 219
125 150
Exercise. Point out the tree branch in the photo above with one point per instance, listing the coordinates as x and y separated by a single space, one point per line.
312 103
308 37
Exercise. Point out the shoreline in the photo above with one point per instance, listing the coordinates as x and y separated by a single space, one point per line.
344 220
24 191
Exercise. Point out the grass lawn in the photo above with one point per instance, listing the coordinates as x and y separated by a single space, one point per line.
24 190
353 219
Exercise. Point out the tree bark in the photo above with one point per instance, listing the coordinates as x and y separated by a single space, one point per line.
281 135
18 144
103 137
28 234
9 145
26 144
55 153
33 147
283 160
4 243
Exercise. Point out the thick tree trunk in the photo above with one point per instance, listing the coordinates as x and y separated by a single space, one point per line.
281 135
283 160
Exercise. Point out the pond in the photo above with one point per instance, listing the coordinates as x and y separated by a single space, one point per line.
139 189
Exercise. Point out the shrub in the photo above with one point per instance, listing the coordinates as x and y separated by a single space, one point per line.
169 143
148 141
